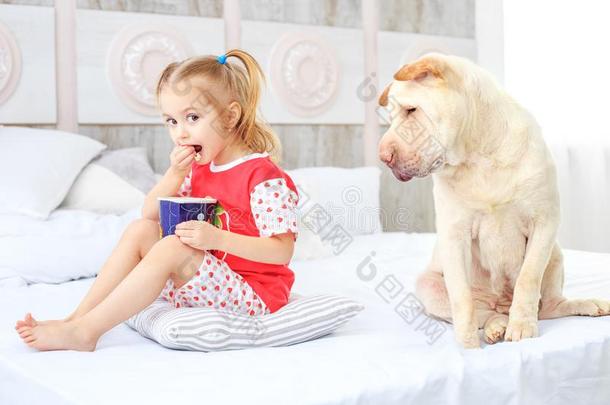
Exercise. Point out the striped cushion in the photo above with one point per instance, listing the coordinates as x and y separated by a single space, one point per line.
203 329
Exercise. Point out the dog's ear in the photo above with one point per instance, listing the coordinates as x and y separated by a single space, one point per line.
383 98
421 69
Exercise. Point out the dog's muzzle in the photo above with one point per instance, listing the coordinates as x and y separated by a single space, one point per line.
421 164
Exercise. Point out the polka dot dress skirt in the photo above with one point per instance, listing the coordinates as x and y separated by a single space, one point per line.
215 285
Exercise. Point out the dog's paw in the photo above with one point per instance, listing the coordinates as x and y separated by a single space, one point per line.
594 307
520 328
495 329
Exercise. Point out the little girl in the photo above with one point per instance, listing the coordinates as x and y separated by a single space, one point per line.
239 264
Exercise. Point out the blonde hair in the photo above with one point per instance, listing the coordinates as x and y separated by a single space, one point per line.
238 84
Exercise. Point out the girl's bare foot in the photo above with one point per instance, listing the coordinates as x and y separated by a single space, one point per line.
51 321
29 320
57 336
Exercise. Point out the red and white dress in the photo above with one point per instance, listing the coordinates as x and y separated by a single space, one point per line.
258 199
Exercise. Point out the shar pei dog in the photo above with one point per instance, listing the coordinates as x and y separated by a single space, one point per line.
496 263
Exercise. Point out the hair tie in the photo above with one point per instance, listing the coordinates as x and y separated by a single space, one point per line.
222 59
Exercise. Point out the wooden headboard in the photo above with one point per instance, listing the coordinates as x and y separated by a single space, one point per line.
92 72
316 74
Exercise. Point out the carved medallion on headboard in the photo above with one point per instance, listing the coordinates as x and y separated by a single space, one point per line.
304 73
10 63
136 57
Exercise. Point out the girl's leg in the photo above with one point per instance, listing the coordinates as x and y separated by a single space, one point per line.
168 258
215 285
137 239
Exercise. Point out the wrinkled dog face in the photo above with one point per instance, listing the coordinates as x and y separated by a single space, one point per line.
425 110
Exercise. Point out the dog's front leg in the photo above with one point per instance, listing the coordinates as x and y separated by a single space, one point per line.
523 313
456 258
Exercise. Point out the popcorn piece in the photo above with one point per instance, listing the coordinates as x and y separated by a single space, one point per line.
197 155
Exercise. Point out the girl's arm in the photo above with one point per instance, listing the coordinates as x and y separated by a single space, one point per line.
181 159
167 186
276 249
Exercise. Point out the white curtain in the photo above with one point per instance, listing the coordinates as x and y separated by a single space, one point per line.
584 184
557 65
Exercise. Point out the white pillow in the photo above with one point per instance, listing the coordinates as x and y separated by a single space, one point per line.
69 245
349 196
309 245
38 167
130 164
205 329
113 183
99 190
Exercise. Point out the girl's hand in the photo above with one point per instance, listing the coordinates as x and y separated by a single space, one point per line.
200 235
181 158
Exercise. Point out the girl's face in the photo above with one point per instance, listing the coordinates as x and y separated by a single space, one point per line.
192 117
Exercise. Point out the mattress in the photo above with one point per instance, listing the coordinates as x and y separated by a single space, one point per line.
383 356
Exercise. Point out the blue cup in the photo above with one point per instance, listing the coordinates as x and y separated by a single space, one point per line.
173 210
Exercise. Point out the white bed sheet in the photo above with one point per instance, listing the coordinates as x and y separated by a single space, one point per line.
377 358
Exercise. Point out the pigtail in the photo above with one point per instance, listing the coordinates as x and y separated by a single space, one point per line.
255 133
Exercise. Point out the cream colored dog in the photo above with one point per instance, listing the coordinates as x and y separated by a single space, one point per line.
496 263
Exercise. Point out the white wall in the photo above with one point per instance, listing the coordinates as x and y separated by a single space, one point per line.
552 57
557 63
